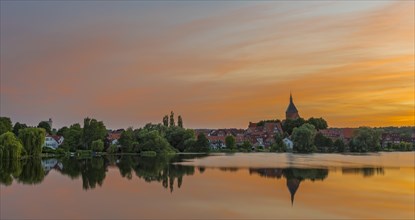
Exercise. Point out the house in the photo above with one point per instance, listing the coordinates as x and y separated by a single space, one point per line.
53 141
288 143
216 142
113 137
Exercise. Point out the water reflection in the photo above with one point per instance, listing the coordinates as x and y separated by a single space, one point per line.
163 170
294 176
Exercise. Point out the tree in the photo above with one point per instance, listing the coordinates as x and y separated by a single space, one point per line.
10 147
151 140
61 131
32 140
319 123
180 121
365 140
97 145
202 144
177 136
45 125
230 142
166 120
303 138
279 145
339 145
127 140
17 127
323 144
72 137
246 146
172 124
5 125
93 130
289 124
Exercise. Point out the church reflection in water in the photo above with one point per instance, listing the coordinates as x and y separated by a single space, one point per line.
163 170
294 176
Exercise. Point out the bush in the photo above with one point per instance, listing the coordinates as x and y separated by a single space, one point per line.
148 154
97 145
83 153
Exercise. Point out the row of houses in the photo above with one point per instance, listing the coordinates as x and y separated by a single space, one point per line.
346 134
257 134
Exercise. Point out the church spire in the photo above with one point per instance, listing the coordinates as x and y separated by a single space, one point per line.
291 98
292 112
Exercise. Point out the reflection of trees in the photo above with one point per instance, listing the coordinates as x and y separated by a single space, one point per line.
155 169
294 176
366 171
32 171
92 170
8 170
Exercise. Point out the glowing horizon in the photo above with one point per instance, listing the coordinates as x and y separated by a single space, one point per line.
218 64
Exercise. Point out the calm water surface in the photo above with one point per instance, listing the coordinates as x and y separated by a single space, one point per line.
237 186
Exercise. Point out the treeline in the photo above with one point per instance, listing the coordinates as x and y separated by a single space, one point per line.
307 139
27 141
163 138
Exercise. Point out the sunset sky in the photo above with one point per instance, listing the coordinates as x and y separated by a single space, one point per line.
218 64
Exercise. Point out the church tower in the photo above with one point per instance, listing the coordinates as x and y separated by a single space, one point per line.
292 112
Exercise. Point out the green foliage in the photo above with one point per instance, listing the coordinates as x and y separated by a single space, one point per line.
323 144
172 119
127 140
201 144
72 137
151 140
10 147
32 171
45 125
32 140
289 124
148 154
62 131
279 145
319 123
166 120
5 125
230 142
403 146
17 127
9 168
245 147
83 153
303 138
97 146
177 136
92 130
365 140
339 146
112 149
180 121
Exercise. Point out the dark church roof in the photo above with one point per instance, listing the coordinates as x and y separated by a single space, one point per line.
291 107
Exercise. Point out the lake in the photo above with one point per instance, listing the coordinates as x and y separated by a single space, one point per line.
216 186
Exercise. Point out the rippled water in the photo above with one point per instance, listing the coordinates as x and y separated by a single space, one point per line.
237 186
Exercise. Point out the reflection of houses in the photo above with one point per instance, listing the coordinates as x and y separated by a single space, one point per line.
50 164
53 141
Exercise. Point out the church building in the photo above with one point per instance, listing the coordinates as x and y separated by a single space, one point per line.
292 112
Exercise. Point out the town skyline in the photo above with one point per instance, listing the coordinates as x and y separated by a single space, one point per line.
219 65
